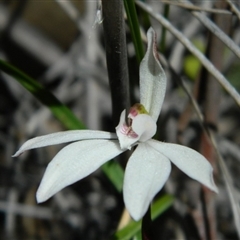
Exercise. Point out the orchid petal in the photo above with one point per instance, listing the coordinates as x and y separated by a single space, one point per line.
75 162
146 172
63 137
144 126
189 161
153 80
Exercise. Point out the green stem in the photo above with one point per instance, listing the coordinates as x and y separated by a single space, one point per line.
164 30
134 28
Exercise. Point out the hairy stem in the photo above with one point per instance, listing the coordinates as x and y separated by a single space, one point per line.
116 53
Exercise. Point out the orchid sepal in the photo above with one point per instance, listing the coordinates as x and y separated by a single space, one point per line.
189 161
153 81
63 137
146 172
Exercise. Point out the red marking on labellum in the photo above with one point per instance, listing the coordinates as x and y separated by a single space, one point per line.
125 130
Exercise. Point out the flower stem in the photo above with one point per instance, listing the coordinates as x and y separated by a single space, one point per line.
146 224
116 53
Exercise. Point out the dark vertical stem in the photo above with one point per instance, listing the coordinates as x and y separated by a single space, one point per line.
146 224
116 53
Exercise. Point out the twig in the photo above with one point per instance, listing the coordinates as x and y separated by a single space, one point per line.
234 8
70 10
196 8
26 210
230 188
178 49
211 95
226 175
217 31
205 62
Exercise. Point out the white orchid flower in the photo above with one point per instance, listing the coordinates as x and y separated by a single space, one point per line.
149 166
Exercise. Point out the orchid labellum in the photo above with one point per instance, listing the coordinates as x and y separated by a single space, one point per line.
148 167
